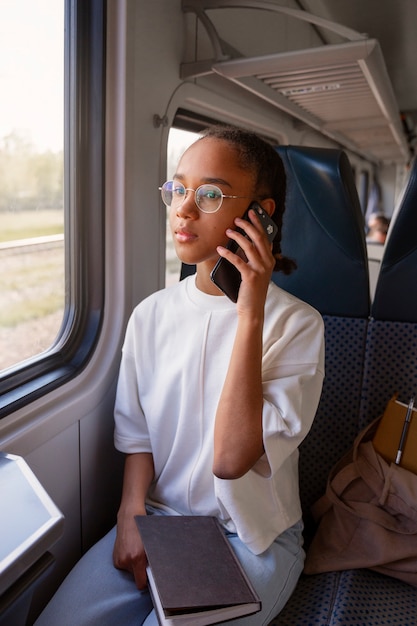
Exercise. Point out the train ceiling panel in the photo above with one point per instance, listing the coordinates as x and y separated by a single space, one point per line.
341 90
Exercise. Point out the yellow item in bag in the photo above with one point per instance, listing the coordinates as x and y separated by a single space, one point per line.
396 436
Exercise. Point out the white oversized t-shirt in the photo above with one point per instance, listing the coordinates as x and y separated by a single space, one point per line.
175 358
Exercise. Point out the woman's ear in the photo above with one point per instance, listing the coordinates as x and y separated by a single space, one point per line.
268 205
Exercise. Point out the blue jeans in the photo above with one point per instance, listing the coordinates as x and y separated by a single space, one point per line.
95 593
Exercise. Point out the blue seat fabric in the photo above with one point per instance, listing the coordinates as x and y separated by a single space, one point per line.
395 294
350 598
323 232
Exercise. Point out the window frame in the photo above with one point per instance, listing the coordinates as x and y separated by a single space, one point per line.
84 162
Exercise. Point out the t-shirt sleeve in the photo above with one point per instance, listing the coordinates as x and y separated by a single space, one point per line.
293 373
131 432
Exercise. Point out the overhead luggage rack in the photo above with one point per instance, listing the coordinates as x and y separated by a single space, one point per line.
341 90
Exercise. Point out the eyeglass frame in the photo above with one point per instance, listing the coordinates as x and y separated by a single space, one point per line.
223 195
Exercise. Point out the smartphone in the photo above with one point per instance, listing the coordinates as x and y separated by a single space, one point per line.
224 274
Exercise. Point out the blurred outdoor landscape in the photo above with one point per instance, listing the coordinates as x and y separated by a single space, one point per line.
32 283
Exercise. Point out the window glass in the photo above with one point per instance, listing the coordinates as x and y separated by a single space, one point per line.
32 274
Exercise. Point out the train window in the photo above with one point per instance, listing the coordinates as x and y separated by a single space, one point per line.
51 191
31 171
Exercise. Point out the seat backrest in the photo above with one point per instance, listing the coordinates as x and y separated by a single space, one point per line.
391 349
395 293
324 233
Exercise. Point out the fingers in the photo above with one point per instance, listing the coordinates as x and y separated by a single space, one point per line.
255 268
255 244
136 565
129 554
139 573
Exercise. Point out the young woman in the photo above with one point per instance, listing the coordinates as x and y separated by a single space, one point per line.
213 397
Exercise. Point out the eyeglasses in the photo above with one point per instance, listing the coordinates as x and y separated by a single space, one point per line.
208 198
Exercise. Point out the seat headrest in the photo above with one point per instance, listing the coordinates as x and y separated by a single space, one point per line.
395 294
323 231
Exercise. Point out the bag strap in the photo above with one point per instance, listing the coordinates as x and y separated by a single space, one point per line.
344 471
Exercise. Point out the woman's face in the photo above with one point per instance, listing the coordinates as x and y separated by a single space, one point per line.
196 234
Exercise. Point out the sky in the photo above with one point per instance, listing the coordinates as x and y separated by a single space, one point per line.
31 71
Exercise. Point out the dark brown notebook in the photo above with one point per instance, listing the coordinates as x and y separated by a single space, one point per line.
193 574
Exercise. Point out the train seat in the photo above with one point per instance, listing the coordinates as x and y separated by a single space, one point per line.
323 232
356 351
398 274
391 351
391 366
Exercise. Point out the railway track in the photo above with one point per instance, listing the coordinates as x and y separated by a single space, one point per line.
23 246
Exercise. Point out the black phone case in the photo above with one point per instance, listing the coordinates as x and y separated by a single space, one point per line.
225 275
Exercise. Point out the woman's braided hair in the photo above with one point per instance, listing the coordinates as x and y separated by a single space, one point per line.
263 161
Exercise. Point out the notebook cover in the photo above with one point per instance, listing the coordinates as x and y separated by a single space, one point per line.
387 437
193 564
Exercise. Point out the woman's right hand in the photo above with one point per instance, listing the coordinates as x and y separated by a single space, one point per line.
128 552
